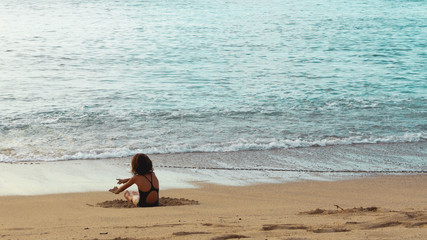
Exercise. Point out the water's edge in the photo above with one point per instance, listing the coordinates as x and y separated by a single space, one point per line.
183 170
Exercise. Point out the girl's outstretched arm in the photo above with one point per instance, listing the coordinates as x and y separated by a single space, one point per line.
121 181
129 183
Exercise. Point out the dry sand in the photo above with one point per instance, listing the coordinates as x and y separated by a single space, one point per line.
390 207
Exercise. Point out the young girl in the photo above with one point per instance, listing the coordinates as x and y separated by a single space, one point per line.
145 179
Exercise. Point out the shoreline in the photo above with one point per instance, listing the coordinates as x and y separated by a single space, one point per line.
242 168
297 210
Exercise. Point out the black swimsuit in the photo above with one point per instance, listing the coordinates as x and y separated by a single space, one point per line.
143 195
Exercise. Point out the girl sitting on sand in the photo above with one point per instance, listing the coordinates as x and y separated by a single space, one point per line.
145 179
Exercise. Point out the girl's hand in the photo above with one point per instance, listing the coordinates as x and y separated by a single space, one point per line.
114 190
121 181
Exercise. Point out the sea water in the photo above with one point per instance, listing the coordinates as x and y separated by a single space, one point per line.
110 78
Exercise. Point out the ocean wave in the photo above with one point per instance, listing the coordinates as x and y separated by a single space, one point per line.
233 146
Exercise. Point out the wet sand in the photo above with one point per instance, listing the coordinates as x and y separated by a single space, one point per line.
185 170
388 207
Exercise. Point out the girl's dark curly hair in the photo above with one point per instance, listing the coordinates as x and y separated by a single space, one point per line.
141 164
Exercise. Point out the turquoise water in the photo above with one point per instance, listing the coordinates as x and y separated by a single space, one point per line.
101 79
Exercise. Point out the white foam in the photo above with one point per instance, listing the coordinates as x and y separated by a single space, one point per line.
233 146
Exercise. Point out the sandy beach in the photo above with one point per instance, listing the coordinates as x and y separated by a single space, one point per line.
382 207
290 120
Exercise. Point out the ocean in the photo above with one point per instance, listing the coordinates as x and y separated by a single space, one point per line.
103 79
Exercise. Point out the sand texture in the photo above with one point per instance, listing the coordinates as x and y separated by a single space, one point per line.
390 207
163 202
